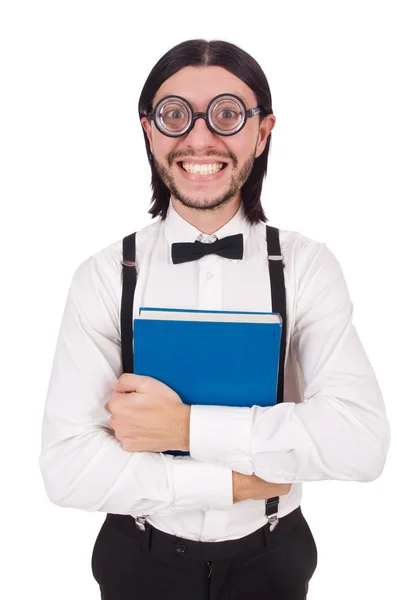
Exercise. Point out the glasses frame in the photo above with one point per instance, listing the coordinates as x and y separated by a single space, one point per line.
248 113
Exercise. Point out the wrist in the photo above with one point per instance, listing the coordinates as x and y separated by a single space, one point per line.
184 444
240 487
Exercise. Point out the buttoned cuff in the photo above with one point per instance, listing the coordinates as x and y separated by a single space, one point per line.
221 435
201 486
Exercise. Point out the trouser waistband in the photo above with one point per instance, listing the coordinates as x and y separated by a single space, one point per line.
164 543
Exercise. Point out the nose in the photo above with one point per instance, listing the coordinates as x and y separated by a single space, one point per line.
200 136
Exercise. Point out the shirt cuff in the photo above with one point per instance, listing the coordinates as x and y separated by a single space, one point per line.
201 486
222 435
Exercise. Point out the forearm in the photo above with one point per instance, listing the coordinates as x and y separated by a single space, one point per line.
323 438
247 487
92 472
241 487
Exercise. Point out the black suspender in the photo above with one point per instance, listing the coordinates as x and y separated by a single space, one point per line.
127 299
279 305
276 271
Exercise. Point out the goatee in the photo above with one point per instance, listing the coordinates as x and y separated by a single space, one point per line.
237 181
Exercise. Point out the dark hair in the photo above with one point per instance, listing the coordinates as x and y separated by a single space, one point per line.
240 63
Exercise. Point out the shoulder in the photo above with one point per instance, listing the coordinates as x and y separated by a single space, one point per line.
295 246
314 272
97 281
306 258
107 261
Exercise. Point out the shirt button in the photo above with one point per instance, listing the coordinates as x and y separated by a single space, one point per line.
209 275
181 548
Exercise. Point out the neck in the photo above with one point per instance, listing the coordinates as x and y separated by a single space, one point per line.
210 220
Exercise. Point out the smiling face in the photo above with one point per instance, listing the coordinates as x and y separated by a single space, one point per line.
180 160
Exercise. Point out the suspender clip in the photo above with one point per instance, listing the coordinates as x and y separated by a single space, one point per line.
271 511
273 520
140 522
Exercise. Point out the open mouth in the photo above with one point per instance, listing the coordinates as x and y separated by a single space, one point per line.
207 169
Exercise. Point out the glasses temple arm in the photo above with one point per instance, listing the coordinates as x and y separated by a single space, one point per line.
255 111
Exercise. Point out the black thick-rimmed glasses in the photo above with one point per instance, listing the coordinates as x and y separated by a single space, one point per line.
226 114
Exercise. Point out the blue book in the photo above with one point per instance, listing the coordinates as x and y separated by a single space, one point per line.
211 357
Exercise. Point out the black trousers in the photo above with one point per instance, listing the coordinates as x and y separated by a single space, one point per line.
130 564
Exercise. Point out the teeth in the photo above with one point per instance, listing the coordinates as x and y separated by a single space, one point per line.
202 169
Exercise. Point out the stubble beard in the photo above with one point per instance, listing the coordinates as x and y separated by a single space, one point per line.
238 178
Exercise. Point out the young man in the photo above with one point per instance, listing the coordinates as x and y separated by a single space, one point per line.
205 525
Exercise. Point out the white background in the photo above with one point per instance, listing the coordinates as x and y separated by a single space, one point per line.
75 178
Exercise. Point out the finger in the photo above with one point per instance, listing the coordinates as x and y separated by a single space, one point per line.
129 382
114 402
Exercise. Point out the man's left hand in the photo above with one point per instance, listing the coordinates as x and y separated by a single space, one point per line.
147 415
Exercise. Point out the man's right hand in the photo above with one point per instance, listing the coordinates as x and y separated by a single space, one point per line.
247 487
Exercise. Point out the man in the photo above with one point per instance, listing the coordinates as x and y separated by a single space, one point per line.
198 526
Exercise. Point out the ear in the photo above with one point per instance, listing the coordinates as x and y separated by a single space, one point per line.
264 129
148 130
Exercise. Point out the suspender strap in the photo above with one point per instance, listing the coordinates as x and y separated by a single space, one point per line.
279 305
127 299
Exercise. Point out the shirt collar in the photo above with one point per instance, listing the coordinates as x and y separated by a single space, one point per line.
177 229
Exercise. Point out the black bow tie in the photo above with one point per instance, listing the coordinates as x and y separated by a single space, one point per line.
229 247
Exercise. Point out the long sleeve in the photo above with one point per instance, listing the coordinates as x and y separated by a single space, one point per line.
340 431
82 464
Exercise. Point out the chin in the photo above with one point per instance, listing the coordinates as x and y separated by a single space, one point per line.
205 202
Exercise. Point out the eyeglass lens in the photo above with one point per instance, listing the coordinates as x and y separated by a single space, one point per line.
225 115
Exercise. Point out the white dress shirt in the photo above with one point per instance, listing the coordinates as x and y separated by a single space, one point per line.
332 424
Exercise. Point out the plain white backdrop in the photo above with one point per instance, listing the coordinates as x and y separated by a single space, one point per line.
75 178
